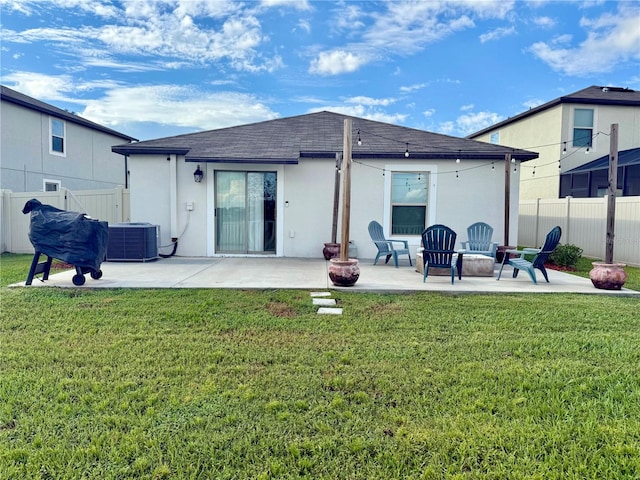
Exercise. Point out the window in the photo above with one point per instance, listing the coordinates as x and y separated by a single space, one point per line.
495 138
57 137
408 202
582 127
51 185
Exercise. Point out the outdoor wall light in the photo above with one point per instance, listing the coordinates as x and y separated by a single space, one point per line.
198 175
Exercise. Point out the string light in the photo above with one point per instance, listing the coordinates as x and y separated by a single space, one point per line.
493 165
458 159
457 176
564 148
359 139
406 152
534 171
586 152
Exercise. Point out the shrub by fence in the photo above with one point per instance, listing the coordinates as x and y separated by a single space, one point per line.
584 224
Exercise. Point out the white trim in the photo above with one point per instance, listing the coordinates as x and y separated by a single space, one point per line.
430 169
46 181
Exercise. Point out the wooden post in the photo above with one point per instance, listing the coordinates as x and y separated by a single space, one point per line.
507 195
346 191
611 191
336 199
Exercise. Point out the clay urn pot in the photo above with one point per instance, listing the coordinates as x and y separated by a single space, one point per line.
331 250
344 273
608 276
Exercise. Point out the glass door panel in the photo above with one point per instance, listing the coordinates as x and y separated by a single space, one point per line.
245 212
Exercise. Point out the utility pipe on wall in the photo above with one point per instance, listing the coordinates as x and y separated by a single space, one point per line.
173 196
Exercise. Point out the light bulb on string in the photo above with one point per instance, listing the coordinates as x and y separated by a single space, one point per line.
458 159
586 152
564 148
359 139
406 152
534 172
493 165
457 176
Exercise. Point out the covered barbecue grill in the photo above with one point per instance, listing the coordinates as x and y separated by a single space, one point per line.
71 237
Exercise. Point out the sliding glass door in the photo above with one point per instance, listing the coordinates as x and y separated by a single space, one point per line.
245 212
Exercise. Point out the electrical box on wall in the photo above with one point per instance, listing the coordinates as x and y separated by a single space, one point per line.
189 206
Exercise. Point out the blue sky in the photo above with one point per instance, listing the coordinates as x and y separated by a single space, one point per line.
155 68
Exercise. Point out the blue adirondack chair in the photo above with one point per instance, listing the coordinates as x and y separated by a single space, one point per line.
385 246
541 256
438 242
479 243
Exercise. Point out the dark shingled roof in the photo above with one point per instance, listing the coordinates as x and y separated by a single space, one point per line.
318 135
593 95
23 100
626 158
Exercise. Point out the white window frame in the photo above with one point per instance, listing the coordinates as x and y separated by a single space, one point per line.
64 137
494 138
428 169
46 181
593 127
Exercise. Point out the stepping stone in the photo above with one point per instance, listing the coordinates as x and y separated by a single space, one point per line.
329 311
325 302
320 294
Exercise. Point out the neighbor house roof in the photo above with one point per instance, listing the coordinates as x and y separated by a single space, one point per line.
593 95
23 100
317 135
625 158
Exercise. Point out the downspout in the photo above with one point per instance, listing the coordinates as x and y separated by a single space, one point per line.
173 196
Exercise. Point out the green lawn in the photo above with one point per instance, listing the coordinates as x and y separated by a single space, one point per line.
129 384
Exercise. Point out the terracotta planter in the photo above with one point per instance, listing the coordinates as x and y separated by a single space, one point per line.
344 273
608 276
331 250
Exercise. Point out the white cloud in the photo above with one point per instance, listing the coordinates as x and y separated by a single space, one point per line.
370 102
413 88
469 123
611 40
544 22
429 113
336 62
363 112
497 34
181 106
467 108
297 4
401 28
304 25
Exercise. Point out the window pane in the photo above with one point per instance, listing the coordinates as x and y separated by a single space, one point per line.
581 137
407 220
57 144
57 128
409 188
583 118
50 187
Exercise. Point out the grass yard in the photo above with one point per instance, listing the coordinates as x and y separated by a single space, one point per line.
218 384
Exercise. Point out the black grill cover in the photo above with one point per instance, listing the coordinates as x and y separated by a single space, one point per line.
68 236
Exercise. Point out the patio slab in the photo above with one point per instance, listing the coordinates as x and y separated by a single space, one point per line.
308 274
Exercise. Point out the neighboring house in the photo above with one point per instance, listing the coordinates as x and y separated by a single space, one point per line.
568 133
268 188
44 148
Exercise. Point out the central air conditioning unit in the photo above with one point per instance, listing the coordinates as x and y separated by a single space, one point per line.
133 242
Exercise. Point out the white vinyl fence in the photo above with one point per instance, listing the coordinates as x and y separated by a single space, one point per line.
107 205
584 223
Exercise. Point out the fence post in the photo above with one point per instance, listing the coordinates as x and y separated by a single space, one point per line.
568 221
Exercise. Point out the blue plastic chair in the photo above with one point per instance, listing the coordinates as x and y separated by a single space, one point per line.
479 243
541 256
385 246
438 242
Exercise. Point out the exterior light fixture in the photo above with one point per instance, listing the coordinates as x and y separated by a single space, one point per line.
198 175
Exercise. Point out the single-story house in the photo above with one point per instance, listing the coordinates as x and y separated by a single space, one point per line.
268 188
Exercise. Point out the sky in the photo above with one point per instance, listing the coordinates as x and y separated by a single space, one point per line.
158 68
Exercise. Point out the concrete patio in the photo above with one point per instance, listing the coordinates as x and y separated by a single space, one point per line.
308 274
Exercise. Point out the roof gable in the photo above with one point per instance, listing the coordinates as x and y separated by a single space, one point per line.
318 135
593 95
25 101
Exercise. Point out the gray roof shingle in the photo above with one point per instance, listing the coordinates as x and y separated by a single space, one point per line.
318 135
